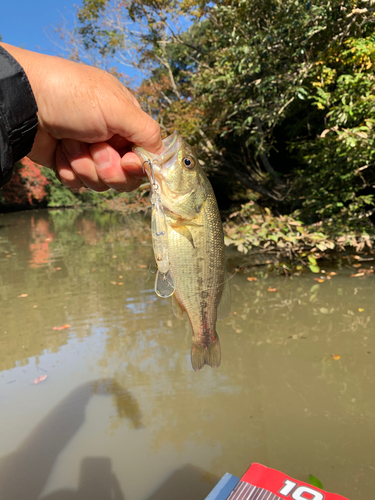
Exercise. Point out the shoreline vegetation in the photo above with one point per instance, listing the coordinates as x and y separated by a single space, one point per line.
281 242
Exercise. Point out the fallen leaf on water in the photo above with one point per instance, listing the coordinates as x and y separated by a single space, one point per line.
357 265
332 273
234 312
57 269
367 271
360 309
356 257
142 266
40 379
314 481
252 278
358 275
336 357
22 295
120 277
113 282
319 280
271 289
63 327
120 283
35 307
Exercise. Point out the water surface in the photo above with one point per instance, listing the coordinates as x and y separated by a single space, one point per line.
122 415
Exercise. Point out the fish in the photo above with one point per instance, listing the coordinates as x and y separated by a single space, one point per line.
190 245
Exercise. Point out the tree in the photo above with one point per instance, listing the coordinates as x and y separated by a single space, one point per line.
257 86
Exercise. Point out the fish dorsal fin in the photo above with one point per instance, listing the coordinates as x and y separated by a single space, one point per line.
225 302
177 309
164 284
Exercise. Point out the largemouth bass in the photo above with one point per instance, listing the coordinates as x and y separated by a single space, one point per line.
190 249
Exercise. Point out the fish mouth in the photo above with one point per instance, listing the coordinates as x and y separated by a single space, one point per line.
161 161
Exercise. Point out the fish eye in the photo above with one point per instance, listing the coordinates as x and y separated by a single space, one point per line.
188 162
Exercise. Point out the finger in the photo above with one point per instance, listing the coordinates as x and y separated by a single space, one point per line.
131 122
133 165
109 170
64 171
81 162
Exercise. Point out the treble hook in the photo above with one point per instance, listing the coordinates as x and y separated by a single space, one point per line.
151 166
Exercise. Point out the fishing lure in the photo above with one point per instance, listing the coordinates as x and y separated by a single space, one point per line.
164 283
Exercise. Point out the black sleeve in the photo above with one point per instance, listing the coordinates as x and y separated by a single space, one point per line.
18 115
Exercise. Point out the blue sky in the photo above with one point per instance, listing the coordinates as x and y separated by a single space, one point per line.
24 22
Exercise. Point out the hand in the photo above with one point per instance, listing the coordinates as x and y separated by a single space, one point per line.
88 122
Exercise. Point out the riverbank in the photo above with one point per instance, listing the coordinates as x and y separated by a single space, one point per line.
263 236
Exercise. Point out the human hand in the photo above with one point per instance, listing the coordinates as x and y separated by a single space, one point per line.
88 122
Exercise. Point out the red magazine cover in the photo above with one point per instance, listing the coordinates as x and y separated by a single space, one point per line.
261 483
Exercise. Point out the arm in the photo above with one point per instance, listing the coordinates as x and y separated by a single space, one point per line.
87 123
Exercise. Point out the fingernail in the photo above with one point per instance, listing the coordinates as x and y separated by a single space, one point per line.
72 147
101 158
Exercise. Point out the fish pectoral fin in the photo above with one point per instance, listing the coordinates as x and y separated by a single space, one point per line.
177 309
205 355
164 284
182 230
225 302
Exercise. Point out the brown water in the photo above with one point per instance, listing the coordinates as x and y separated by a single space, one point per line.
122 415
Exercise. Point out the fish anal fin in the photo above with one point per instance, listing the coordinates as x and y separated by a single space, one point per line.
225 302
177 309
205 355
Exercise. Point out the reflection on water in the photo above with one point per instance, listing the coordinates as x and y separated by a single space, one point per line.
122 415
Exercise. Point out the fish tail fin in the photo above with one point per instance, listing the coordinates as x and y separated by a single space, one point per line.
202 354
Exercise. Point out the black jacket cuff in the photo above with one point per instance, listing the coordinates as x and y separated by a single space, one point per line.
18 115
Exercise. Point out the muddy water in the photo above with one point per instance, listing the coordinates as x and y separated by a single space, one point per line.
121 415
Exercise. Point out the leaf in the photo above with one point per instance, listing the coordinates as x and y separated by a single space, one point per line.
40 379
271 289
319 280
22 295
252 278
336 357
358 275
314 481
314 269
312 260
360 309
63 327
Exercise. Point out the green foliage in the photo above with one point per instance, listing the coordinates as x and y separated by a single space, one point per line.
58 195
314 481
334 172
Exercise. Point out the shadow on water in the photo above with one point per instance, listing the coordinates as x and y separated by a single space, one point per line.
24 473
96 482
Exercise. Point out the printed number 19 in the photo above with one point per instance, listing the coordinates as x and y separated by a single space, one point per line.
289 489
